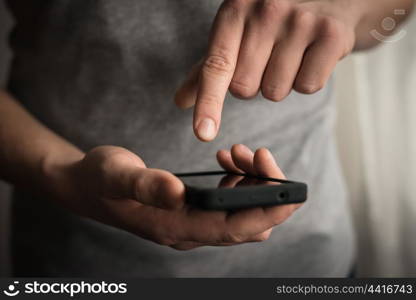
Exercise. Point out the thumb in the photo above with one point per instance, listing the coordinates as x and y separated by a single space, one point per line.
158 188
122 174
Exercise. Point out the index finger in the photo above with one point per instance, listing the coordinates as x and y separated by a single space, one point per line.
218 68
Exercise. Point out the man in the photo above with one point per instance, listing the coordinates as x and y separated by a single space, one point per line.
91 73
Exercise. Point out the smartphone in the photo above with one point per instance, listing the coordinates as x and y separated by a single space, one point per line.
222 190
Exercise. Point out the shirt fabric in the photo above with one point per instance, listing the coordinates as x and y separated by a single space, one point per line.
105 72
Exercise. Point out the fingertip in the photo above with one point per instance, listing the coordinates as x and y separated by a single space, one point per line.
222 153
240 148
264 153
242 157
262 150
206 130
226 162
266 164
234 147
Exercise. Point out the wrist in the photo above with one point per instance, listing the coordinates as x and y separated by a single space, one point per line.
58 174
352 13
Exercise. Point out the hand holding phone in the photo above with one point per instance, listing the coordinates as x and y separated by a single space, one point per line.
113 185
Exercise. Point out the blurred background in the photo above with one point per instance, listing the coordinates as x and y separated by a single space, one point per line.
5 25
376 94
376 142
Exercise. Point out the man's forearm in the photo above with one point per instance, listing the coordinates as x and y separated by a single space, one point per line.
372 14
29 151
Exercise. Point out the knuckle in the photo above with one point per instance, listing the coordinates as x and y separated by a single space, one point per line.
111 160
138 184
233 10
274 93
233 7
108 157
217 64
242 90
274 8
330 28
303 19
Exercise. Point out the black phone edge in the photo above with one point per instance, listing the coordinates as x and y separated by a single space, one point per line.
289 192
208 173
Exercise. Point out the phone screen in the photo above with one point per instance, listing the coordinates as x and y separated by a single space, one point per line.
222 180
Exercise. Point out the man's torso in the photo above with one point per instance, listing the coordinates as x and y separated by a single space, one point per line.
104 72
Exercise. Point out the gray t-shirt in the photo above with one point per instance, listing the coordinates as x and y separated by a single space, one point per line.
104 72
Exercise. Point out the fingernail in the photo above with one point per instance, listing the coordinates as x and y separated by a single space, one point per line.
206 129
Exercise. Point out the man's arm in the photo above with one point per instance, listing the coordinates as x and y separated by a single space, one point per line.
29 151
274 46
